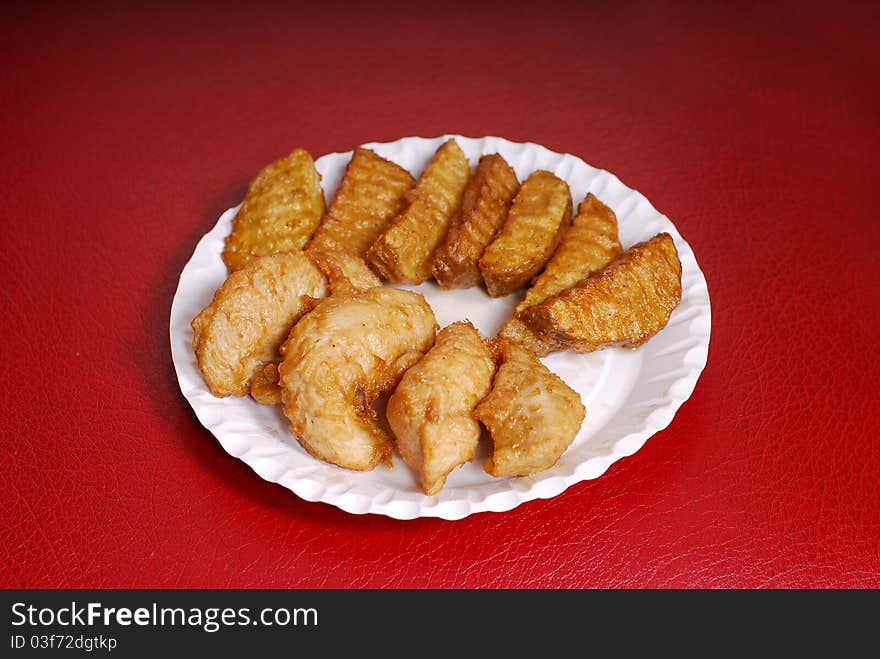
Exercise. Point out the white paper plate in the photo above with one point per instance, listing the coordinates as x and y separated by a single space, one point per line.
629 395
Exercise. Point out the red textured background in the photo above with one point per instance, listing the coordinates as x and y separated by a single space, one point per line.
128 129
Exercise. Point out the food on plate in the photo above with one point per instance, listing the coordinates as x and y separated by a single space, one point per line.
430 411
372 192
264 385
339 358
483 209
250 316
303 320
402 254
531 414
588 245
517 331
283 205
344 272
625 304
539 215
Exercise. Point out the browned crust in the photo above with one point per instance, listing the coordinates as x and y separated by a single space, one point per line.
344 271
283 205
589 244
403 253
372 192
430 411
328 393
517 422
537 219
517 331
625 304
484 207
264 385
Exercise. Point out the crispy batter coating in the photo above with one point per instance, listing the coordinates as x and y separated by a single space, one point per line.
250 316
587 246
430 411
339 358
283 205
531 414
372 192
540 213
402 254
483 210
625 304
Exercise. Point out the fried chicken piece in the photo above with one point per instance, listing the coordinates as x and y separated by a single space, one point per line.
430 411
345 273
339 358
540 213
264 385
483 210
283 205
250 316
402 254
587 246
625 304
531 414
517 331
372 192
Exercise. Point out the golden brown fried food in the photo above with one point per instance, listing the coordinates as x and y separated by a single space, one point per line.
249 317
264 385
372 192
517 331
587 246
430 411
625 304
339 358
483 210
283 205
402 254
540 213
531 414
345 273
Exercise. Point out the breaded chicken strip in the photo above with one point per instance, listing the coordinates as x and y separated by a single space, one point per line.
402 254
283 205
250 316
624 304
483 210
531 414
371 194
430 411
587 246
339 358
540 213
345 273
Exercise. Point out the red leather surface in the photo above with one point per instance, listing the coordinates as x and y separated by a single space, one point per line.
128 129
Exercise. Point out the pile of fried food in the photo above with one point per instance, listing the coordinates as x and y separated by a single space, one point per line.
304 321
